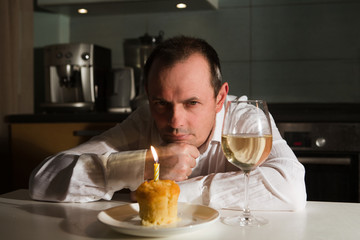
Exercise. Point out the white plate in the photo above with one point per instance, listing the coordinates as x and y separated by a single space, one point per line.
125 219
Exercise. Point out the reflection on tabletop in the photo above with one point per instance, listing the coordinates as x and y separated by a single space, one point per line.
23 218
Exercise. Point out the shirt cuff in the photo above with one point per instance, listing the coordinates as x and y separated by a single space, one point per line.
193 191
126 170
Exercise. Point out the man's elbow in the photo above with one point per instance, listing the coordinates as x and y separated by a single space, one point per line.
296 199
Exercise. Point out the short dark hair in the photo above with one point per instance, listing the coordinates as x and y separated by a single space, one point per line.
180 48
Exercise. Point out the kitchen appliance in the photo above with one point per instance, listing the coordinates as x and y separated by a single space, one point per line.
121 90
330 153
75 77
136 52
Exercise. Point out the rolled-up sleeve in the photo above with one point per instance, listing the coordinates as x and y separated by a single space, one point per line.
96 169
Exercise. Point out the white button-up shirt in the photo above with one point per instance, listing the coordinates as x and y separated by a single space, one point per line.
115 160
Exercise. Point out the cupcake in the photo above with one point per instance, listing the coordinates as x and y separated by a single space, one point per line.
158 202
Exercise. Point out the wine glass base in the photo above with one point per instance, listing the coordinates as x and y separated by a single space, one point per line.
245 221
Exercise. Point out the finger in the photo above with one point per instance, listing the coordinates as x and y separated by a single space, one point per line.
179 179
189 172
194 152
192 162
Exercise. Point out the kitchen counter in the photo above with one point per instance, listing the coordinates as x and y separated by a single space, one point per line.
282 112
23 218
67 117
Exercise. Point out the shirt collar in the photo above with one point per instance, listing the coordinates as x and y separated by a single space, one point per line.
220 117
218 125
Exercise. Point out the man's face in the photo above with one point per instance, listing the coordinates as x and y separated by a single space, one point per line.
182 101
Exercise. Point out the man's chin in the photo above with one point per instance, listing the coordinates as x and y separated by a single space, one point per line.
177 140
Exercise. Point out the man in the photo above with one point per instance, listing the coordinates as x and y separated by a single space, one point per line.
183 122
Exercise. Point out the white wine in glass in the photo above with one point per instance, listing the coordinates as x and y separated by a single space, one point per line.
246 142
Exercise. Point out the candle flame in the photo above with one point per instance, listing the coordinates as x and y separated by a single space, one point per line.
156 164
155 156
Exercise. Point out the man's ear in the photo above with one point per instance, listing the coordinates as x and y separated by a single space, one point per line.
220 98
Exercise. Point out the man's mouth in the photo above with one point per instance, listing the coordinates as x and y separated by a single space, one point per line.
177 135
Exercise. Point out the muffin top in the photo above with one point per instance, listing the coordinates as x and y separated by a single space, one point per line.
160 188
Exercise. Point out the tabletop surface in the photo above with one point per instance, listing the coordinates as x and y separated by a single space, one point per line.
23 218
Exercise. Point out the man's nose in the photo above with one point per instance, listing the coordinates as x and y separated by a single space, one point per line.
177 117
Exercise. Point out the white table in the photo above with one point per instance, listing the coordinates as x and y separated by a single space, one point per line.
23 218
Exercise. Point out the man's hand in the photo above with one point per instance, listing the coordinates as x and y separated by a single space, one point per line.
176 161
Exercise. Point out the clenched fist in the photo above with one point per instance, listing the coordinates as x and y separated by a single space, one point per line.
176 161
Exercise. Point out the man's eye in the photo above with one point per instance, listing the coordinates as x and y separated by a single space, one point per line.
160 103
193 103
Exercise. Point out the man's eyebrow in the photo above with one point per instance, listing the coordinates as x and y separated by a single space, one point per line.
192 99
158 99
185 100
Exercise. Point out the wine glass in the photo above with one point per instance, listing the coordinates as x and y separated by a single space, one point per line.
246 142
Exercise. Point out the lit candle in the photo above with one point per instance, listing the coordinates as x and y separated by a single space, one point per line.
156 164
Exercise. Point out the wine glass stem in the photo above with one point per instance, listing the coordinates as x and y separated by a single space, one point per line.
246 210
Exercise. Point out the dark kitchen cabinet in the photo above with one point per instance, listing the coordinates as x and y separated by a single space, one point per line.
31 143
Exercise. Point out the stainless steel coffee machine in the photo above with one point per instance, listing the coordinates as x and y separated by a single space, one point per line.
75 77
136 52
